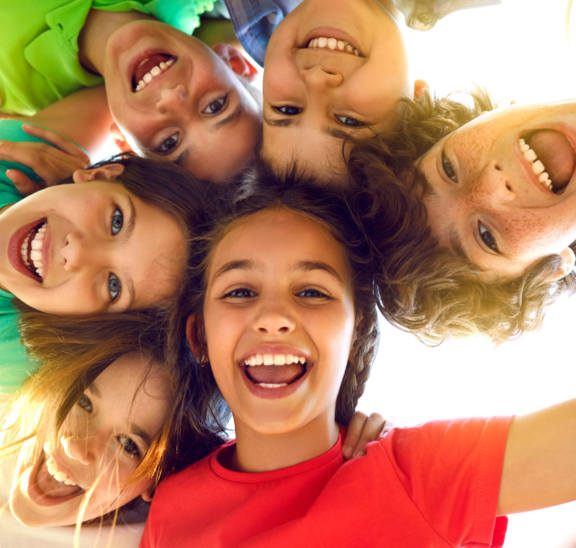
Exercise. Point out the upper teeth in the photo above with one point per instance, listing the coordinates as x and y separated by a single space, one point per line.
332 43
274 359
57 474
537 165
36 249
154 71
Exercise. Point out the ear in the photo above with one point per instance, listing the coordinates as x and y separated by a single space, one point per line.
107 172
192 335
148 494
420 86
236 61
118 138
568 260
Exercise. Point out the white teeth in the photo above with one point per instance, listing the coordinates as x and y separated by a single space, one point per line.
333 44
58 475
35 249
537 166
154 71
271 385
274 359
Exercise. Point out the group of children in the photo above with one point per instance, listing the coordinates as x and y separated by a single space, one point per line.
144 302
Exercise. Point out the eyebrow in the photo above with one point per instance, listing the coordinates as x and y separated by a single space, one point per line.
93 389
235 265
231 118
456 243
308 266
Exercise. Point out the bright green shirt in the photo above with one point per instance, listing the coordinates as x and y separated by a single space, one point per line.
39 45
14 367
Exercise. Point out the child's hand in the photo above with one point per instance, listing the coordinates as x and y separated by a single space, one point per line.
49 163
361 431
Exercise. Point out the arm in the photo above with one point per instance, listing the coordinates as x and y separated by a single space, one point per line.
540 460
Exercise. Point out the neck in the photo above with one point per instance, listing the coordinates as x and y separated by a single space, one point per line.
256 452
96 32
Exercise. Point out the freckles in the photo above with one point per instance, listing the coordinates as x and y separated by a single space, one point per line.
528 231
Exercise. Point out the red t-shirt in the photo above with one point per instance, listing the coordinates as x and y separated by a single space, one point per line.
434 485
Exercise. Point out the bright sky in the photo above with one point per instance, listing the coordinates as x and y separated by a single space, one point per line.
517 50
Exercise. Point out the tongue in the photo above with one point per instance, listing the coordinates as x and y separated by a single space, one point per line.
150 63
275 374
52 488
557 155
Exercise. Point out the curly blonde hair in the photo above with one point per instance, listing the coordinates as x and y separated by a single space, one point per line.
424 288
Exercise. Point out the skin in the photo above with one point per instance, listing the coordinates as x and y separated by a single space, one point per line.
190 113
99 445
309 93
277 301
485 179
84 252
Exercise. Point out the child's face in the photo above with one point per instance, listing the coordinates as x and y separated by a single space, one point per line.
279 287
312 94
101 249
487 198
195 112
102 441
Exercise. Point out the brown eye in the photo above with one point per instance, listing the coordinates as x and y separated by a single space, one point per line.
487 238
129 446
288 110
169 144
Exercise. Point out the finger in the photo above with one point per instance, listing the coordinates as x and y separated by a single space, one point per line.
354 432
59 141
23 184
371 432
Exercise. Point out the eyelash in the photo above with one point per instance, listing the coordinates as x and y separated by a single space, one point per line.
487 239
295 110
355 123
85 403
221 102
165 148
231 294
114 286
317 294
448 167
117 215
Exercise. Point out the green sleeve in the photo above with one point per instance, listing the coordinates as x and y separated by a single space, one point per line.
183 15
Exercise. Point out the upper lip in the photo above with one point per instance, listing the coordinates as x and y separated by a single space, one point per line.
274 349
330 33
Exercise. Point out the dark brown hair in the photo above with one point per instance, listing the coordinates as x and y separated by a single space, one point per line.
263 189
424 288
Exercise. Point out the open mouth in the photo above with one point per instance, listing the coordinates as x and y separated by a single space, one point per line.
149 68
31 250
50 486
275 371
552 157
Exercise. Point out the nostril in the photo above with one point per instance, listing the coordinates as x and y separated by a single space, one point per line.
508 187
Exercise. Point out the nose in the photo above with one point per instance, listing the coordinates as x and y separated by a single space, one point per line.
79 449
320 78
496 185
274 318
79 252
172 98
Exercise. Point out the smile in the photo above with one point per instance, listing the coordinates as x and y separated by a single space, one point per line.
274 375
332 44
32 252
150 68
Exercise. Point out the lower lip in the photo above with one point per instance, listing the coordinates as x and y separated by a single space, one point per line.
329 32
14 250
133 65
37 496
273 393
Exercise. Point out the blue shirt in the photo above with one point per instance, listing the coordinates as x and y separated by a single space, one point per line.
255 20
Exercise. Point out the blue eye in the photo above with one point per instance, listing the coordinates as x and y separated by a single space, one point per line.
169 144
85 403
240 293
288 110
312 294
487 238
129 446
349 121
117 221
448 168
215 107
114 286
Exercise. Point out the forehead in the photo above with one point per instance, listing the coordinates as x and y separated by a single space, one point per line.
276 239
